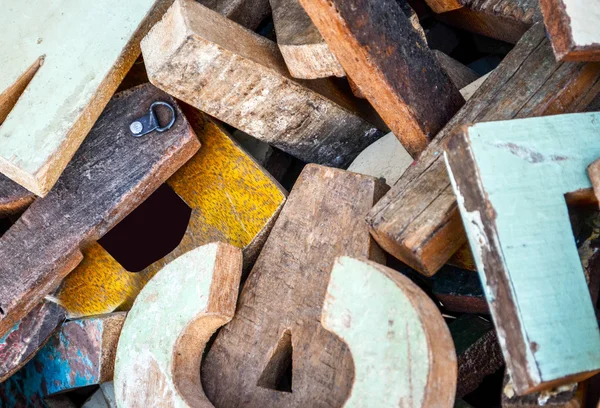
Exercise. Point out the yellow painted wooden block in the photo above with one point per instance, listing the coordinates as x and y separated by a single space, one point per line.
232 199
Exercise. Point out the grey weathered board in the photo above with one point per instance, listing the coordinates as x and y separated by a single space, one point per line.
13 197
417 221
109 176
279 310
391 64
239 77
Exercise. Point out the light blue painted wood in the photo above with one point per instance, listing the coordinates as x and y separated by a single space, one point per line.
525 167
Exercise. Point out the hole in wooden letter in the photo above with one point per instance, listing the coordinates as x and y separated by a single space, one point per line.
277 375
10 96
150 232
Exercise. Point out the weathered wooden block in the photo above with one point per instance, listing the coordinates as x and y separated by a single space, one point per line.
573 28
392 65
594 173
564 396
400 344
477 351
82 353
305 52
13 198
279 310
110 175
505 20
459 74
68 76
240 78
520 234
159 353
459 290
418 221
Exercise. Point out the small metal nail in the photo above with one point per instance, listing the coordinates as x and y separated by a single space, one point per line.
149 123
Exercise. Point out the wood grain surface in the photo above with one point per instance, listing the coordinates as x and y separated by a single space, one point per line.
249 13
521 237
160 352
277 322
417 221
14 199
400 344
80 354
239 77
391 64
69 78
110 175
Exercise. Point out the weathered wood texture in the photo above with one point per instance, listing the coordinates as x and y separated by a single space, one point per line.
505 20
82 353
69 77
565 396
573 28
249 13
459 74
594 173
104 397
400 344
392 65
13 198
279 310
305 52
109 176
463 258
477 351
418 221
160 352
232 200
521 237
240 78
26 337
459 290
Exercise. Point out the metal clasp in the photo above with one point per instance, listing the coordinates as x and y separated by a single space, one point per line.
149 122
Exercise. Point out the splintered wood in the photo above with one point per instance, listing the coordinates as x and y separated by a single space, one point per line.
277 325
417 221
110 175
43 127
520 233
391 64
240 78
160 352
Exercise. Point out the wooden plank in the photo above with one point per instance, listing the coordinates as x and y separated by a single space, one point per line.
385 56
505 20
26 337
241 79
573 28
280 306
477 351
221 172
305 52
14 199
109 176
249 13
459 74
44 125
565 396
531 270
459 291
82 353
418 221
400 344
463 258
160 352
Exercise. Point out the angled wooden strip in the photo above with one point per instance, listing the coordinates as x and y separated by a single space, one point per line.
400 344
45 125
160 352
279 309
384 55
573 28
240 78
477 351
13 198
418 221
249 13
232 200
26 337
505 20
82 353
305 52
519 230
459 290
565 396
459 74
109 176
